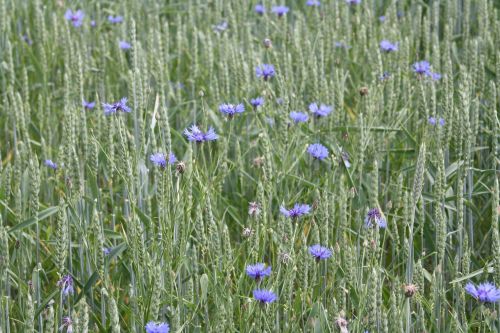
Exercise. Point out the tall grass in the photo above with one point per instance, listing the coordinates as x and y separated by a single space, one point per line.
171 244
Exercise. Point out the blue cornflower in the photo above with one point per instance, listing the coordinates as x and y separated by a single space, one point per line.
106 251
68 323
298 210
280 10
342 45
353 2
441 122
51 164
317 151
75 17
484 292
66 285
384 76
88 105
115 19
387 46
26 39
320 252
375 217
313 3
264 296
92 23
124 45
435 76
422 67
231 109
160 160
260 9
115 107
258 271
195 134
320 111
280 101
381 18
299 117
432 121
256 102
153 327
221 27
265 71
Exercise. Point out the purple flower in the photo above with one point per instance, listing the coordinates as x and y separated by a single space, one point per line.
317 151
387 46
280 10
153 327
160 160
26 39
75 17
280 101
195 134
342 45
256 102
115 107
92 23
320 252
353 2
258 271
124 45
313 3
298 210
299 117
265 71
260 9
66 285
381 18
441 122
264 296
484 292
51 164
422 67
88 105
384 76
106 251
321 111
68 323
221 27
434 76
375 217
432 121
115 19
231 109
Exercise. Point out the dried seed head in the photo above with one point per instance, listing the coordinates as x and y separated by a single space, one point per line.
342 322
253 209
267 43
258 161
285 257
363 91
247 232
410 289
180 167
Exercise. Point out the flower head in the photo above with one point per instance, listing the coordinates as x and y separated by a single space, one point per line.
432 121
441 122
66 285
422 67
68 323
106 251
385 76
231 109
320 252
353 2
375 217
381 18
51 164
342 45
264 296
92 23
298 210
115 19
484 292
320 111
387 46
160 160
299 117
260 9
265 71
221 27
88 105
317 151
253 209
258 271
280 10
76 17
153 327
435 76
313 3
124 45
256 102
195 134
115 107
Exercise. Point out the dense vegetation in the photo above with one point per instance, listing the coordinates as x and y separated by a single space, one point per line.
235 166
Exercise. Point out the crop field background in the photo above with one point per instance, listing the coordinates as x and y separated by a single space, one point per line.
244 166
